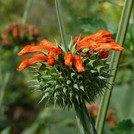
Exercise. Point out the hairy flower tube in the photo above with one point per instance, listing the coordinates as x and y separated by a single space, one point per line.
66 78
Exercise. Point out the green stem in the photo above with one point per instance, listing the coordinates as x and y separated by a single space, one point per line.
85 123
61 25
7 76
114 64
15 50
26 11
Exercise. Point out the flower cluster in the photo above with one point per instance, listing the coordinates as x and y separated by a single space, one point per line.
100 41
80 73
93 109
18 33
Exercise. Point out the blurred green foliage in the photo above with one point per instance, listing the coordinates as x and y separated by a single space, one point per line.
21 112
124 127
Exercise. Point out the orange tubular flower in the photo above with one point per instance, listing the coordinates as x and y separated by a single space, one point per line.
78 37
101 35
28 49
112 122
29 62
93 110
48 44
54 52
68 58
86 44
98 42
44 46
51 61
15 33
109 46
78 63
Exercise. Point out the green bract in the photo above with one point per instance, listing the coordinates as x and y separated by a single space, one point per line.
64 86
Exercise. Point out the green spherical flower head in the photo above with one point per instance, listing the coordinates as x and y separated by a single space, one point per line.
64 86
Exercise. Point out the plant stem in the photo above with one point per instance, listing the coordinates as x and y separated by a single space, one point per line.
85 123
7 76
114 64
9 72
26 11
61 24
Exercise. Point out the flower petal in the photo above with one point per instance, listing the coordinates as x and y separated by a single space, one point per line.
51 61
78 63
29 62
109 46
86 44
112 122
43 46
99 41
28 49
91 41
68 58
78 37
54 52
48 44
98 36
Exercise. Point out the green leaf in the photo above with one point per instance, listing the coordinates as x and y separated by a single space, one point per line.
85 50
45 96
76 86
101 77
99 68
57 87
92 24
124 127
68 82
93 71
64 90
91 63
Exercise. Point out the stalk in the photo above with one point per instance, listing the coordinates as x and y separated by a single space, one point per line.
26 11
7 76
15 50
85 122
121 34
61 24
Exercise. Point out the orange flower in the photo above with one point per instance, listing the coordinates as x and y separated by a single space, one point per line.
68 58
112 122
51 61
54 52
94 108
78 63
43 46
28 49
109 46
29 62
100 36
15 32
86 44
48 44
78 37
98 42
